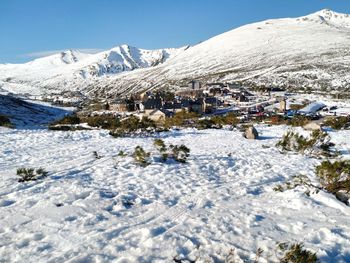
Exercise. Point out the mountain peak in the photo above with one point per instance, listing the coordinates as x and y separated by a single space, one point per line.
330 18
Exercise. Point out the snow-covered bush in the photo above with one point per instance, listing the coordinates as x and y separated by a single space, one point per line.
334 176
162 148
296 253
178 153
298 180
318 144
141 156
30 174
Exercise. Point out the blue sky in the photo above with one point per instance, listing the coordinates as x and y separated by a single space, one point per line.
32 28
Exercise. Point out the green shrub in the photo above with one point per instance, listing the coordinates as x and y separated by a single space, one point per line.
60 127
179 153
318 144
334 177
175 152
121 153
298 121
295 253
5 122
182 119
30 174
103 121
141 156
70 119
338 123
133 124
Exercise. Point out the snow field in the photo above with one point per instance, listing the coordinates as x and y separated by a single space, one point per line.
110 209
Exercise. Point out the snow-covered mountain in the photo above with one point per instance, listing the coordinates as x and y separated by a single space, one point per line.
310 52
73 69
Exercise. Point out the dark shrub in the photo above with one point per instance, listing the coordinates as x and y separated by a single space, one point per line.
298 121
30 174
334 177
5 122
179 153
103 122
141 156
318 144
338 123
70 119
296 253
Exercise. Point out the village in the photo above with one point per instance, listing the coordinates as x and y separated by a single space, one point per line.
211 99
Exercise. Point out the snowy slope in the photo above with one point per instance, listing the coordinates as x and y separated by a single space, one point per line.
309 52
73 68
25 114
111 210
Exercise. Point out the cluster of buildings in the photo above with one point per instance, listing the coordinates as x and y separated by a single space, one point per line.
211 98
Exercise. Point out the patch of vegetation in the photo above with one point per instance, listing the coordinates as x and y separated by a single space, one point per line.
218 121
178 153
133 124
298 180
296 253
338 123
298 121
67 128
162 148
182 119
285 253
5 122
70 119
141 157
121 153
104 121
334 176
318 144
30 174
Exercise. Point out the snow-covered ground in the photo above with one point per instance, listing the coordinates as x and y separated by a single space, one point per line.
110 209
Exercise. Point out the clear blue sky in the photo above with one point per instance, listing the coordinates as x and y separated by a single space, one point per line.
30 27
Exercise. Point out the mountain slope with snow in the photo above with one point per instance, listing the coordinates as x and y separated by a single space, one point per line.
73 69
310 52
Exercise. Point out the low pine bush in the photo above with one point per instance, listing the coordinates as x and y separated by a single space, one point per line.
5 122
296 253
70 119
141 157
178 153
103 122
30 174
318 144
338 123
334 176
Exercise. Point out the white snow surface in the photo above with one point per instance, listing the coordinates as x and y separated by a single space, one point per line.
221 199
309 51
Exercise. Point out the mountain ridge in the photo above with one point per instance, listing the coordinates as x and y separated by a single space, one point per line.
308 52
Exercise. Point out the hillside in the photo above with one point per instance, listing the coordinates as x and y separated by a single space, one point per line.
310 52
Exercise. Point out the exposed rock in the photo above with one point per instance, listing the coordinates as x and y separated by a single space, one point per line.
312 126
251 133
